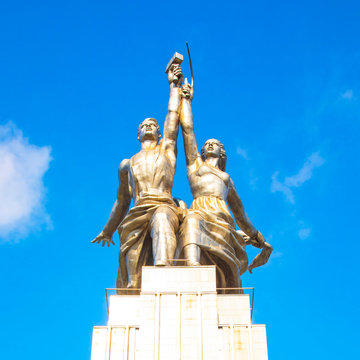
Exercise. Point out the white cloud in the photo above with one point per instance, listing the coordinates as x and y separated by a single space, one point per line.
22 167
295 181
242 152
276 185
253 179
348 94
304 233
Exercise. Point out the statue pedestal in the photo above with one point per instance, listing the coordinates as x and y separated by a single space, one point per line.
179 315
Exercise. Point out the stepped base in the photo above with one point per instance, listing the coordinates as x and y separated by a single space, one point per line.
179 315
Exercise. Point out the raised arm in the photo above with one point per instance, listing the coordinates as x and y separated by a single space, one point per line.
119 209
187 125
171 125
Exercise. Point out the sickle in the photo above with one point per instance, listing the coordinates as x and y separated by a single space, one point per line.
191 68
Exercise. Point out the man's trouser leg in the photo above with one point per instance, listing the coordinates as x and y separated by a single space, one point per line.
190 232
163 224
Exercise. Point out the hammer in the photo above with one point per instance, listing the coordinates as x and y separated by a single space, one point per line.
176 59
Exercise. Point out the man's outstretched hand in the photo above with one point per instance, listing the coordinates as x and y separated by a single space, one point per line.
105 239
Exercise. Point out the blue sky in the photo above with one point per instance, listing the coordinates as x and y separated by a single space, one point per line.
277 82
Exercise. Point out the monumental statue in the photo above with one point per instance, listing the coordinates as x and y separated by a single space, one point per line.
148 230
157 227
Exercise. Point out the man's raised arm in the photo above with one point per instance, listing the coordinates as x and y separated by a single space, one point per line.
187 126
119 209
171 125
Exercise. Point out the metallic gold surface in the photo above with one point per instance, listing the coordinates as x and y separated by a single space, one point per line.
208 234
176 59
147 231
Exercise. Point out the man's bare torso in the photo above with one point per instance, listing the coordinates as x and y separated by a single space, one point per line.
151 171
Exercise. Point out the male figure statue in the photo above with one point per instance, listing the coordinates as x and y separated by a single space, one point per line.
147 231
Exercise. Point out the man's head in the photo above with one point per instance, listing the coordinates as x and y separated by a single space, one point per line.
149 130
214 148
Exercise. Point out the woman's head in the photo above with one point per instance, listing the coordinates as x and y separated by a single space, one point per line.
214 148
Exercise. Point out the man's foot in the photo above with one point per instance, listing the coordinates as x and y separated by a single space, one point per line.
131 284
193 263
161 263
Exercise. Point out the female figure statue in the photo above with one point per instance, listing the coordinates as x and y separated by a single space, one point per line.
207 234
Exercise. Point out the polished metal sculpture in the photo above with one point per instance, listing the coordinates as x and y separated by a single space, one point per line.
149 230
207 233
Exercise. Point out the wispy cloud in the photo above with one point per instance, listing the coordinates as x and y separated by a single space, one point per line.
348 94
22 167
253 179
304 233
242 152
295 181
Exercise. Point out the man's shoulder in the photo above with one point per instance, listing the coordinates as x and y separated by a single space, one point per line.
167 145
124 165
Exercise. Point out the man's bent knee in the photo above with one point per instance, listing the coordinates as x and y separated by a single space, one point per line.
165 217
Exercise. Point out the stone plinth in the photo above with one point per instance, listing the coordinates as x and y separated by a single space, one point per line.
179 315
178 278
